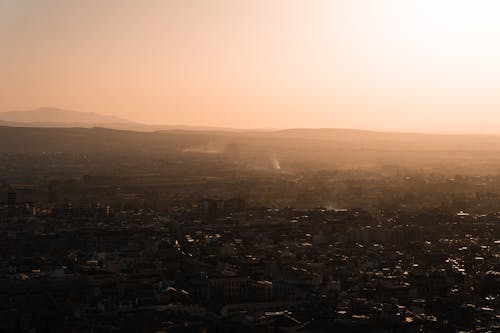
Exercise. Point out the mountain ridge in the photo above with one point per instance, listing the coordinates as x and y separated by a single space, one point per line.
52 117
57 115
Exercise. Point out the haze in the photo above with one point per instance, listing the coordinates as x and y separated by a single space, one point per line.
428 66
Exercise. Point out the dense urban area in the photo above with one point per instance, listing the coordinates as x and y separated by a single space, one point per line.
202 241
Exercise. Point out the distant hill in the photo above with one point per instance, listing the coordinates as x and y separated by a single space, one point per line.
55 116
47 130
302 148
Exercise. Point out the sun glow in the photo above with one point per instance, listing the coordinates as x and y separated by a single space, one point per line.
448 33
373 64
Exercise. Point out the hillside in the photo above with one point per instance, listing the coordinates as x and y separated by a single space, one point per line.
297 148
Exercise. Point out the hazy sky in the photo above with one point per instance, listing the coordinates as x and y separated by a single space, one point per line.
421 65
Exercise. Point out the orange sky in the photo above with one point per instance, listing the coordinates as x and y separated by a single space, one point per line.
427 65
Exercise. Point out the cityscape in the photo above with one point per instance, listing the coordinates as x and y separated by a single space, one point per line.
227 166
264 251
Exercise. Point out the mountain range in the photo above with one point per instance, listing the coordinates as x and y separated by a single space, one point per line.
55 117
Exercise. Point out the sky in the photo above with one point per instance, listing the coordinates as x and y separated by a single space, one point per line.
402 65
